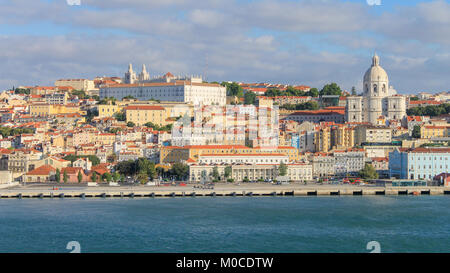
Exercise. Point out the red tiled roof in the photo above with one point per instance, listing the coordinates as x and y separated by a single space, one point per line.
42 170
144 107
243 155
431 150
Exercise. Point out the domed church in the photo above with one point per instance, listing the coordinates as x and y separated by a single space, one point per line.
378 100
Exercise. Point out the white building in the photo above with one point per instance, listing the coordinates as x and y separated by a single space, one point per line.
349 161
243 159
56 98
252 172
84 163
77 84
379 99
178 91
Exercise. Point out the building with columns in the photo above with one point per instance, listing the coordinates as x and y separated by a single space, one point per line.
379 99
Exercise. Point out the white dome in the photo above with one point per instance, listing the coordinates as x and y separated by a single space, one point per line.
375 73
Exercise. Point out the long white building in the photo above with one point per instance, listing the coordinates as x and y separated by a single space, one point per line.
179 91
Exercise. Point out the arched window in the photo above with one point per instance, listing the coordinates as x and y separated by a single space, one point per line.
354 106
384 88
367 88
375 88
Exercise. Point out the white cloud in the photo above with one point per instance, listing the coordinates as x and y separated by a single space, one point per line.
243 41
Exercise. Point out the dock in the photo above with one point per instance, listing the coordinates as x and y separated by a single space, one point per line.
219 191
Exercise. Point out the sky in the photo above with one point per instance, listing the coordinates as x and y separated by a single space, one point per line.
308 42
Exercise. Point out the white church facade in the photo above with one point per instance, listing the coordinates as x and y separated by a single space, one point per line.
378 99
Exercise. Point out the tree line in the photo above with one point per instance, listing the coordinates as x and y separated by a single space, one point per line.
429 110
7 131
309 105
144 170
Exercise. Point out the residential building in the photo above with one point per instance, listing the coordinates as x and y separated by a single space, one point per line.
56 98
419 163
372 134
316 116
434 131
323 165
142 114
77 84
349 161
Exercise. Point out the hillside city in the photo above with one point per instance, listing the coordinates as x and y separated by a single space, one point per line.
182 129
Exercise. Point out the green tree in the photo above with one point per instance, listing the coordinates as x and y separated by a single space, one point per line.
313 92
79 93
120 116
107 177
331 89
227 171
249 98
129 97
181 170
142 177
65 176
416 131
126 167
145 165
80 177
116 176
233 89
368 172
215 173
58 175
309 105
94 177
115 130
131 124
91 113
282 169
93 158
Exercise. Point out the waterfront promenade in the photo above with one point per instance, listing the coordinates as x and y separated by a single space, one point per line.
244 189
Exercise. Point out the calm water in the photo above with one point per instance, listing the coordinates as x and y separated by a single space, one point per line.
241 224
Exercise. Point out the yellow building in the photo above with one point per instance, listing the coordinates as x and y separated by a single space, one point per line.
106 138
322 140
342 137
108 110
172 154
434 131
58 141
141 114
45 110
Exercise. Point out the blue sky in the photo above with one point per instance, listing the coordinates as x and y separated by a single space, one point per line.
311 42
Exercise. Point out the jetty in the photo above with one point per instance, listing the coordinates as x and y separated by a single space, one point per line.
247 190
